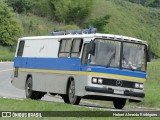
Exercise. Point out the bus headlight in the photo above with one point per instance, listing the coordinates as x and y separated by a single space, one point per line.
100 80
137 85
141 86
94 80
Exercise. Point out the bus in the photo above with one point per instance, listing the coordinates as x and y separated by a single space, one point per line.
78 64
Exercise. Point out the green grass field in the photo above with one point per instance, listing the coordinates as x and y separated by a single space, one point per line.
32 105
7 53
152 88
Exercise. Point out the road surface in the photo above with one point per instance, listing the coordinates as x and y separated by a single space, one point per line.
7 90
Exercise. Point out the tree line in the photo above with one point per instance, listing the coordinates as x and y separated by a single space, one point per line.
64 11
61 11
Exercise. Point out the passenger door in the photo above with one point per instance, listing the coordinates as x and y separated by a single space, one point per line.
75 53
84 59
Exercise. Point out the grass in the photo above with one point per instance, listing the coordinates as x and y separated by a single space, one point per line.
28 105
35 26
130 20
40 26
152 85
32 105
7 53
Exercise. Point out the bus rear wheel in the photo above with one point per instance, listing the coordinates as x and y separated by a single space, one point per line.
119 103
73 99
30 93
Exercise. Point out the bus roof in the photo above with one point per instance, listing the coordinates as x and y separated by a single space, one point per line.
96 35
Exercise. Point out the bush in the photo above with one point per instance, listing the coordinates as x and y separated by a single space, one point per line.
10 30
99 23
7 53
72 11
43 8
68 27
20 6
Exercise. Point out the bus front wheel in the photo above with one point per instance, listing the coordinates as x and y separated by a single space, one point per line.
73 99
119 103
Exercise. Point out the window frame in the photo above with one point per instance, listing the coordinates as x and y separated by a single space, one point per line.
85 44
121 51
64 49
121 66
81 45
109 39
20 54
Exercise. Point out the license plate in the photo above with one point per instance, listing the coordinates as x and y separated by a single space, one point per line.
118 92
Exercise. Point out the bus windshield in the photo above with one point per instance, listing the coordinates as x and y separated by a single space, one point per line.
108 53
134 56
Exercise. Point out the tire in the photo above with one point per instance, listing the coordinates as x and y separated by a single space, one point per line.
73 99
30 93
65 98
119 103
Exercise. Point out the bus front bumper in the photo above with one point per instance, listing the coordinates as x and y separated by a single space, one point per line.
112 91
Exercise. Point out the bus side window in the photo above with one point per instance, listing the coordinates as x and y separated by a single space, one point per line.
65 48
85 54
20 48
76 47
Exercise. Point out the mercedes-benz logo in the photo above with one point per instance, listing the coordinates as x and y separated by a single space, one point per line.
119 83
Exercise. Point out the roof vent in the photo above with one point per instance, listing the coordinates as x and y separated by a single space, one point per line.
91 30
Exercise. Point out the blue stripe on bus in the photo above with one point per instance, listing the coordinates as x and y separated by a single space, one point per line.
70 64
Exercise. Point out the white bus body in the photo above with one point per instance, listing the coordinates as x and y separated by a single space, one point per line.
63 65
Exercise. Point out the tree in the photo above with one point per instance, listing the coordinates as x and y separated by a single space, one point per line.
98 23
155 3
72 11
10 30
20 6
43 8
78 11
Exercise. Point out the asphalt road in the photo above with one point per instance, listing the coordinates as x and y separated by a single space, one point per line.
7 90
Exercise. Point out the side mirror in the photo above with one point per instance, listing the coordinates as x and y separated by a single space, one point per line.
91 47
148 55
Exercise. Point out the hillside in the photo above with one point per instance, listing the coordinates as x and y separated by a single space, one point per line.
38 26
126 18
131 19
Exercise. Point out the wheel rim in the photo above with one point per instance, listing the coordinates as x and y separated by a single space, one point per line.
72 96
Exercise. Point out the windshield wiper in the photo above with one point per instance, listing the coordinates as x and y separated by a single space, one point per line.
110 60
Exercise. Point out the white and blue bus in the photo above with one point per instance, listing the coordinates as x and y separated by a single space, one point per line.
79 65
